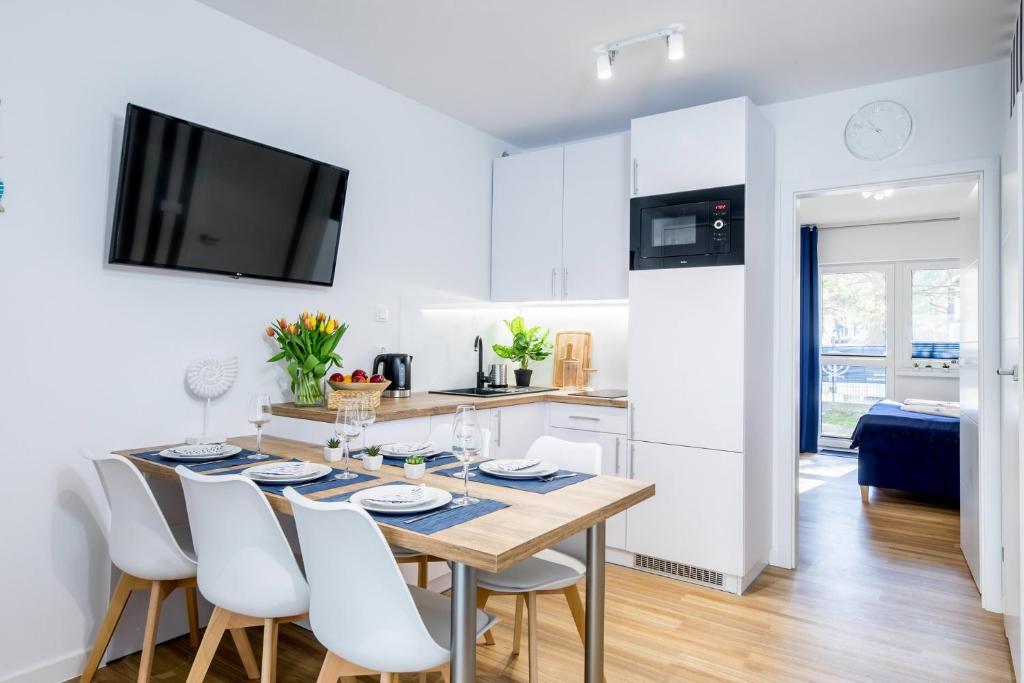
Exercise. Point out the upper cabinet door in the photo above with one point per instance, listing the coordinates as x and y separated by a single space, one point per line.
526 227
595 220
689 149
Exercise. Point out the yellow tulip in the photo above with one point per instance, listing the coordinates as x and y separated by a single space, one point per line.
330 326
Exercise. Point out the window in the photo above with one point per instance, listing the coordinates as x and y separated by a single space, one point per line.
934 314
853 313
847 392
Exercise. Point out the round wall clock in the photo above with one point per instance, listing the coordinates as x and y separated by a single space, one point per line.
878 130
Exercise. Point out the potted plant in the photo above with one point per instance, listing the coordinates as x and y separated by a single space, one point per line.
309 345
333 450
415 467
527 344
372 458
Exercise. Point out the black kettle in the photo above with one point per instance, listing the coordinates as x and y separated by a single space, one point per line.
397 370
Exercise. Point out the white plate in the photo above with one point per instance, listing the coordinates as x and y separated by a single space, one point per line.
435 498
179 453
396 497
403 449
543 469
426 454
311 471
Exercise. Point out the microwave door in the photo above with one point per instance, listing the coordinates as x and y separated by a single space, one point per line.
679 230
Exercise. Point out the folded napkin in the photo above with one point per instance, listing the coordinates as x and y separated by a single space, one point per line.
406 448
514 465
384 497
285 469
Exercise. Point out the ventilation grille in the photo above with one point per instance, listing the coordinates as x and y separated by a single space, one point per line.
678 570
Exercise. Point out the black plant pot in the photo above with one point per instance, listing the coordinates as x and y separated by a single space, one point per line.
523 377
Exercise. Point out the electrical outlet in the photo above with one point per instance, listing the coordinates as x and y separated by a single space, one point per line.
383 314
382 348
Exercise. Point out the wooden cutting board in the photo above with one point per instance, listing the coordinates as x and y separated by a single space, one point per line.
572 345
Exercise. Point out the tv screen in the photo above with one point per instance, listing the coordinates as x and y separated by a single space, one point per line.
193 198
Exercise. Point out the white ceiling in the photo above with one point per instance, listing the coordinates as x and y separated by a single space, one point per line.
523 70
850 207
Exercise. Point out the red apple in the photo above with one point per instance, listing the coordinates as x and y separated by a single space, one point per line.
336 377
358 378
377 379
359 373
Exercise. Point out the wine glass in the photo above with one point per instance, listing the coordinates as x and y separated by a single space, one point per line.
347 427
259 415
367 415
467 442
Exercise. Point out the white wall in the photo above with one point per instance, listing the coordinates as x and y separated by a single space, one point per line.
95 355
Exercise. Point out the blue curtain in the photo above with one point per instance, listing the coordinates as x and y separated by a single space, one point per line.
810 340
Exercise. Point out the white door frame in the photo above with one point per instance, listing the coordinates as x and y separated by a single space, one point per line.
787 365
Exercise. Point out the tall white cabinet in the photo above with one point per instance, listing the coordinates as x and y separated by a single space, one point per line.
560 223
700 359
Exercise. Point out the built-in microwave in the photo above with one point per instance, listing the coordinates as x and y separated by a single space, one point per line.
687 229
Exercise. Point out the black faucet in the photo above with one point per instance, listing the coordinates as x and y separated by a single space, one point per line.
481 378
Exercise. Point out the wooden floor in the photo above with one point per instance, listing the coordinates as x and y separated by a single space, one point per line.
882 594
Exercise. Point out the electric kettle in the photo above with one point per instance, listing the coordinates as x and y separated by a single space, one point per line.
397 368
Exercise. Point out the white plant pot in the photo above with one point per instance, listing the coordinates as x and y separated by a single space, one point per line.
373 463
415 471
333 454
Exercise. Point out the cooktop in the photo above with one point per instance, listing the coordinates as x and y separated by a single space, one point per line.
602 393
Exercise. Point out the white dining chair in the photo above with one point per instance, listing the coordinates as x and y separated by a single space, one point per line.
371 622
150 553
557 570
246 568
441 437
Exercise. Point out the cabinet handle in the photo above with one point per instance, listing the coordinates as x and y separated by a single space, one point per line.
554 274
618 443
565 283
636 178
584 417
497 414
632 420
632 460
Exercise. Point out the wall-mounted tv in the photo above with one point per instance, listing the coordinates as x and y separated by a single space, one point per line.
194 198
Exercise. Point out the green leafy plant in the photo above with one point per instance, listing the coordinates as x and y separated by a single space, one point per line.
373 451
527 344
334 442
415 460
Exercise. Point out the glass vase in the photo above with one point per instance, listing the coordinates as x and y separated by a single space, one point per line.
309 390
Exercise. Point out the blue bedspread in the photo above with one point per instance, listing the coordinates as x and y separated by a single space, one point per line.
909 451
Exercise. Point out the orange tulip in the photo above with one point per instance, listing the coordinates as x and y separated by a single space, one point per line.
310 324
283 323
321 316
270 331
292 329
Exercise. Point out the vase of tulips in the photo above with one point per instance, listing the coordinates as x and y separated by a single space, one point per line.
309 345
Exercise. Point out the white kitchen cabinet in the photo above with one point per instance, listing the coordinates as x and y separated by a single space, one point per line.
698 503
515 428
560 223
687 324
526 227
595 219
689 149
613 462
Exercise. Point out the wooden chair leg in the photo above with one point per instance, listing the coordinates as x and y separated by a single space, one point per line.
572 596
517 634
158 592
865 493
422 571
245 653
446 673
533 636
192 602
122 591
269 651
482 594
388 678
208 647
330 672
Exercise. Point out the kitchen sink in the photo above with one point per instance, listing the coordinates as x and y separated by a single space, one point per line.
489 391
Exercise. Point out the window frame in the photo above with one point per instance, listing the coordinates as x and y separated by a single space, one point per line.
905 311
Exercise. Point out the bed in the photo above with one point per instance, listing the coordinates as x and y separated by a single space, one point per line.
908 451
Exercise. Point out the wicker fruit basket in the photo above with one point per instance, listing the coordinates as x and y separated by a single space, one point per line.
353 392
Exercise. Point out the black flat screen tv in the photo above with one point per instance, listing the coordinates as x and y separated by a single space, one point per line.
193 198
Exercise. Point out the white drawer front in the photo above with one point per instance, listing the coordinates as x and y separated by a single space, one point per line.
591 418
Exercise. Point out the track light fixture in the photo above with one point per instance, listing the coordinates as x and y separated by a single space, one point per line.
673 36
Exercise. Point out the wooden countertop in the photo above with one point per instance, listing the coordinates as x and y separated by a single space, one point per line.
423 404
493 542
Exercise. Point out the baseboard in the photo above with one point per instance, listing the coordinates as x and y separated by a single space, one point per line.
750 576
60 669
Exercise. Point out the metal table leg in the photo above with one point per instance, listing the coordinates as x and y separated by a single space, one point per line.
464 623
594 668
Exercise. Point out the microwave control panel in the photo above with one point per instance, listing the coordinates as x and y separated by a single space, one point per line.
718 237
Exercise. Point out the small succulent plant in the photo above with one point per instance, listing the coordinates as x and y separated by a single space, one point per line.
373 451
415 460
334 442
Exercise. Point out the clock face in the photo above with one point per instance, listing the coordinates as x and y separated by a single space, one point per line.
878 130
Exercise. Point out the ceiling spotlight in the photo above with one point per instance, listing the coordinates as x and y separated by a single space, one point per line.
676 49
604 64
866 194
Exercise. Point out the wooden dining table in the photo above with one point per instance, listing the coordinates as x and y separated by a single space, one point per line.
531 522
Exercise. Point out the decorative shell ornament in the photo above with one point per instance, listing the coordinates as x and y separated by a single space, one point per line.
209 378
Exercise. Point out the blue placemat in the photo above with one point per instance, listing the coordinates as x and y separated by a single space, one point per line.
440 460
452 516
531 485
240 459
